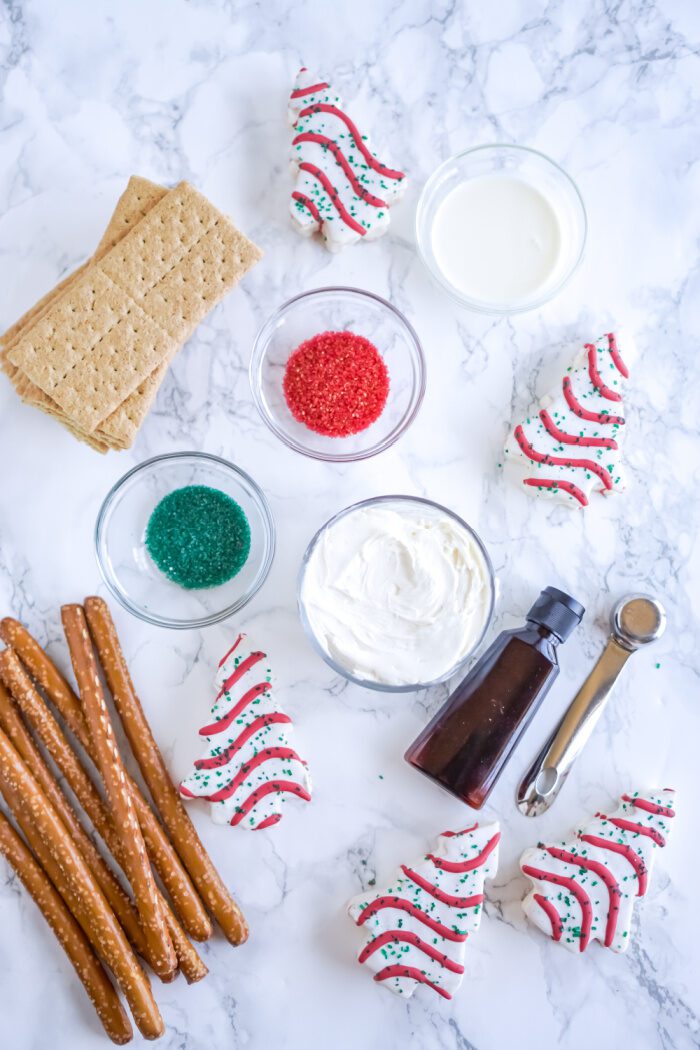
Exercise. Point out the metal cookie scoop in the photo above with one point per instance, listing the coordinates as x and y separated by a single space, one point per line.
636 621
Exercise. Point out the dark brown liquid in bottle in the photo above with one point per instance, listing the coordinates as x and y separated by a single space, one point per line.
467 744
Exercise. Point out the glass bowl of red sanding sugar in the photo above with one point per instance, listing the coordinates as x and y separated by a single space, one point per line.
338 374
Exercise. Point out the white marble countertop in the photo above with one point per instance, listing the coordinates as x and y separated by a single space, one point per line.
93 93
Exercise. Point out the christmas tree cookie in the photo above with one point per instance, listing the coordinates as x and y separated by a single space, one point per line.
585 890
342 189
250 768
416 929
571 446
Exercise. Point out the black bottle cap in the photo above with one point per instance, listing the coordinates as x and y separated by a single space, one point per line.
557 611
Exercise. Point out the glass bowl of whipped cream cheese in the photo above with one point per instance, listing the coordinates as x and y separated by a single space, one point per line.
396 593
501 228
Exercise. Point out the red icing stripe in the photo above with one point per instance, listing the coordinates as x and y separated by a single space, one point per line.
406 937
615 354
186 792
440 895
561 461
650 807
413 973
335 199
255 726
308 204
323 140
636 829
266 755
466 865
552 914
614 892
279 786
574 439
577 891
403 905
268 822
223 723
595 376
233 648
627 852
321 107
243 667
456 834
565 486
584 413
300 92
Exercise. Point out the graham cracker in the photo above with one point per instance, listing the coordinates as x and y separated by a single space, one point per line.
12 334
121 427
126 315
136 201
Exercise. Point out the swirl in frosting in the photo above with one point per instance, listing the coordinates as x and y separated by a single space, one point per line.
397 597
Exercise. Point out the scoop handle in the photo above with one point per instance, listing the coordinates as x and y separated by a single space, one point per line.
547 774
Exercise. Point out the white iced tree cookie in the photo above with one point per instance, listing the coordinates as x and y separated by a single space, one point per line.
571 446
250 767
416 929
585 890
342 189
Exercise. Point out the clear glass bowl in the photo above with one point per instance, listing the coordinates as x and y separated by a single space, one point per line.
427 509
338 309
126 566
542 174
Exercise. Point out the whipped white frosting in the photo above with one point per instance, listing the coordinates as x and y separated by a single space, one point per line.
397 597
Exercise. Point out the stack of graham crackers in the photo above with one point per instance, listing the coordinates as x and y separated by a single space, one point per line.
94 351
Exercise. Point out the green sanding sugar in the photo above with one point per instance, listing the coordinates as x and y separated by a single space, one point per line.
198 537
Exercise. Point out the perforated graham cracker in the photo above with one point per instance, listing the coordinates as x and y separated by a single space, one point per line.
128 313
136 201
122 426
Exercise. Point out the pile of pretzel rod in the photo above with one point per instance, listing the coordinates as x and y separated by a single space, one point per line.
100 925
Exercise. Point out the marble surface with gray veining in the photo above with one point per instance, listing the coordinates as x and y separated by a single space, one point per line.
92 92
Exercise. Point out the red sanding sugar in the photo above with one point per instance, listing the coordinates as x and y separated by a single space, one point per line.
336 383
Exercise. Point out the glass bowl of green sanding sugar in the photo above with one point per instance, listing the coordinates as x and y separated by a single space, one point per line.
185 540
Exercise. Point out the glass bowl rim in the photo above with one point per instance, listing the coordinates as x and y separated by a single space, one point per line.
262 341
478 305
338 668
201 621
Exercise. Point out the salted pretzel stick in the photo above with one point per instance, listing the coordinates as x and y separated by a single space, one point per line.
192 966
165 859
53 869
40 718
204 875
101 924
137 867
68 934
11 722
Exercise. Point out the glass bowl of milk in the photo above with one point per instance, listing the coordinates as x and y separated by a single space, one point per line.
501 228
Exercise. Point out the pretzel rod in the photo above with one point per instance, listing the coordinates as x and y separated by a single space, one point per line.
167 799
185 899
11 722
38 715
102 925
192 966
52 868
68 933
137 867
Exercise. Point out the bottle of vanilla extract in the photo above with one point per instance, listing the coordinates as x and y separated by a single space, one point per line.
469 741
